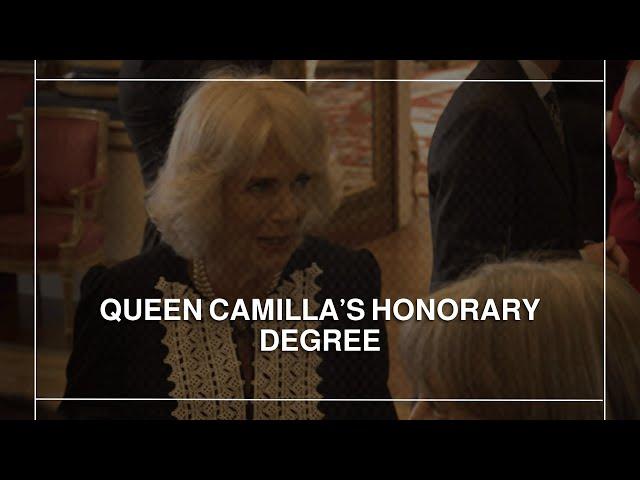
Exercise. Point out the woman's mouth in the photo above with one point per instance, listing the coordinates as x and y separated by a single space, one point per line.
276 243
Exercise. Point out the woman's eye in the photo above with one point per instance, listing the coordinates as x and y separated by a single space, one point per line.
260 186
632 131
302 180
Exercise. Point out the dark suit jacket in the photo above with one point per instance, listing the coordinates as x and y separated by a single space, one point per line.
127 359
149 109
501 183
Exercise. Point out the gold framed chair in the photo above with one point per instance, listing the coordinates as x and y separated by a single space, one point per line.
71 173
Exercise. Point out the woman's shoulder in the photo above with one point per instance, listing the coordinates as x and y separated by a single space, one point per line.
136 274
329 254
344 270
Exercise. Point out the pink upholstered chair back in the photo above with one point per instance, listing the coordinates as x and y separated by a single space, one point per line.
71 151
14 89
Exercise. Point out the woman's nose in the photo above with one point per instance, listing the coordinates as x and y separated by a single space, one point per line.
287 207
620 151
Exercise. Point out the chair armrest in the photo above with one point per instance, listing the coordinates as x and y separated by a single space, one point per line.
78 195
9 148
92 187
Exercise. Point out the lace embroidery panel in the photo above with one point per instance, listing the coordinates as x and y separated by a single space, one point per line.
282 375
204 362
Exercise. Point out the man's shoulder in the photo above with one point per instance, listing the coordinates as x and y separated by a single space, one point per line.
488 84
485 90
481 103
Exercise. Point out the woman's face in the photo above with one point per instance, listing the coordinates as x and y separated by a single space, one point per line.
263 210
627 149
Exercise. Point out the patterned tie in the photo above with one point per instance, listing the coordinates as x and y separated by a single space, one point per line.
553 106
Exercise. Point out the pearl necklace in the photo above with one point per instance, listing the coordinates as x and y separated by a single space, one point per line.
201 279
203 285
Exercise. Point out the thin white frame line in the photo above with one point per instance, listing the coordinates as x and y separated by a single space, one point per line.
377 80
35 247
593 400
313 80
604 266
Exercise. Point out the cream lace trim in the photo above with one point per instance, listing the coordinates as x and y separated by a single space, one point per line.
204 362
280 375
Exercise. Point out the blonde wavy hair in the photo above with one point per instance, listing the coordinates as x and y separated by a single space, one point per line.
223 127
557 355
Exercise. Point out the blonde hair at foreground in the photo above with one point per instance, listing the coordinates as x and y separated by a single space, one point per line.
223 127
557 355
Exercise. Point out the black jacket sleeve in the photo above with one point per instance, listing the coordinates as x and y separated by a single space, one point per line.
357 375
99 355
473 192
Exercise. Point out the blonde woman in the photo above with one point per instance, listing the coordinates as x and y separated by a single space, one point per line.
245 179
558 355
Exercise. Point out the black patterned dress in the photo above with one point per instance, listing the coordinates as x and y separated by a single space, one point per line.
160 362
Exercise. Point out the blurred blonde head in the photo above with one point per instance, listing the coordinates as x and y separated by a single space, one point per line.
558 355
222 129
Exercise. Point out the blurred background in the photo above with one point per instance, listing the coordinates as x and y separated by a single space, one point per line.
380 135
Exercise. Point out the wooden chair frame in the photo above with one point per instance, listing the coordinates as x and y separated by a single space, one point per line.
66 264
